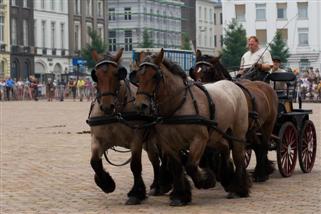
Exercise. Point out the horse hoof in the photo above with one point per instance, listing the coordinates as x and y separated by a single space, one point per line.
108 185
155 192
260 179
232 195
177 203
133 201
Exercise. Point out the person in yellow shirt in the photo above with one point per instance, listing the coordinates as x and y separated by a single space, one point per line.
81 88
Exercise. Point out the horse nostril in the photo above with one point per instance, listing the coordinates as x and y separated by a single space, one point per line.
112 106
144 107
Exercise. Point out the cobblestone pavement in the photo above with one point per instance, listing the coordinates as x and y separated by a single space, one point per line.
45 169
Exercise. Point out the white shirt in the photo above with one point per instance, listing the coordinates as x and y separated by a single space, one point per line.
249 58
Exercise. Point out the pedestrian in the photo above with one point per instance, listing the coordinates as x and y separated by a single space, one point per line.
81 88
61 89
72 87
50 89
88 89
9 85
256 63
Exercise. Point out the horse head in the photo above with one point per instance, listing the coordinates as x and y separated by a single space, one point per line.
107 74
147 76
208 69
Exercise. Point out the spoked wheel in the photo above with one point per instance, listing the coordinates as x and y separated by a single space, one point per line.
287 149
307 147
247 157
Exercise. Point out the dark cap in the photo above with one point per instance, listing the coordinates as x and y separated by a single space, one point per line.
276 58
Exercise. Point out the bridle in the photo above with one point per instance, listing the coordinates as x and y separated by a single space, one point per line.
121 76
157 77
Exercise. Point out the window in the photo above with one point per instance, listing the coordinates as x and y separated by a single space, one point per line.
112 40
14 31
77 36
215 41
164 14
260 11
53 35
240 12
205 14
303 36
214 18
35 32
281 10
261 35
210 15
151 15
100 31
61 5
52 5
221 40
1 68
284 34
128 40
145 14
89 29
302 10
128 14
13 3
199 13
42 4
221 18
43 31
77 7
111 14
25 32
89 8
62 35
25 3
100 8
1 29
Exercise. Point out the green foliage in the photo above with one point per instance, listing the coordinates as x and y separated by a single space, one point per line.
235 44
147 41
278 48
96 44
185 42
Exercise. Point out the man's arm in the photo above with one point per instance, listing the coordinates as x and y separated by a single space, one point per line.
267 62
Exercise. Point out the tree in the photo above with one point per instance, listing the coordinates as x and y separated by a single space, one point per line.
96 44
278 48
147 41
185 42
235 43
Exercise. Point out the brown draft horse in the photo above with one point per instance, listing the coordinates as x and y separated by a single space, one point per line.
164 91
116 95
209 69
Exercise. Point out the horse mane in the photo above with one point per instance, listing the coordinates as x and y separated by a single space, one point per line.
173 67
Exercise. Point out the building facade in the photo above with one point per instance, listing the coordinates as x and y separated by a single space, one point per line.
128 19
205 26
298 21
22 39
4 39
218 28
84 16
189 21
51 38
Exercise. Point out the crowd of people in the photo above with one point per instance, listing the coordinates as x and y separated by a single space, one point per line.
81 88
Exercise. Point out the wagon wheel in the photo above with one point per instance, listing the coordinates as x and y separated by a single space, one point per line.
247 157
287 149
307 147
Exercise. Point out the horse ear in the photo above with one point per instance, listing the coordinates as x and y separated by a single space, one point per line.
198 54
160 56
96 56
118 55
142 56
